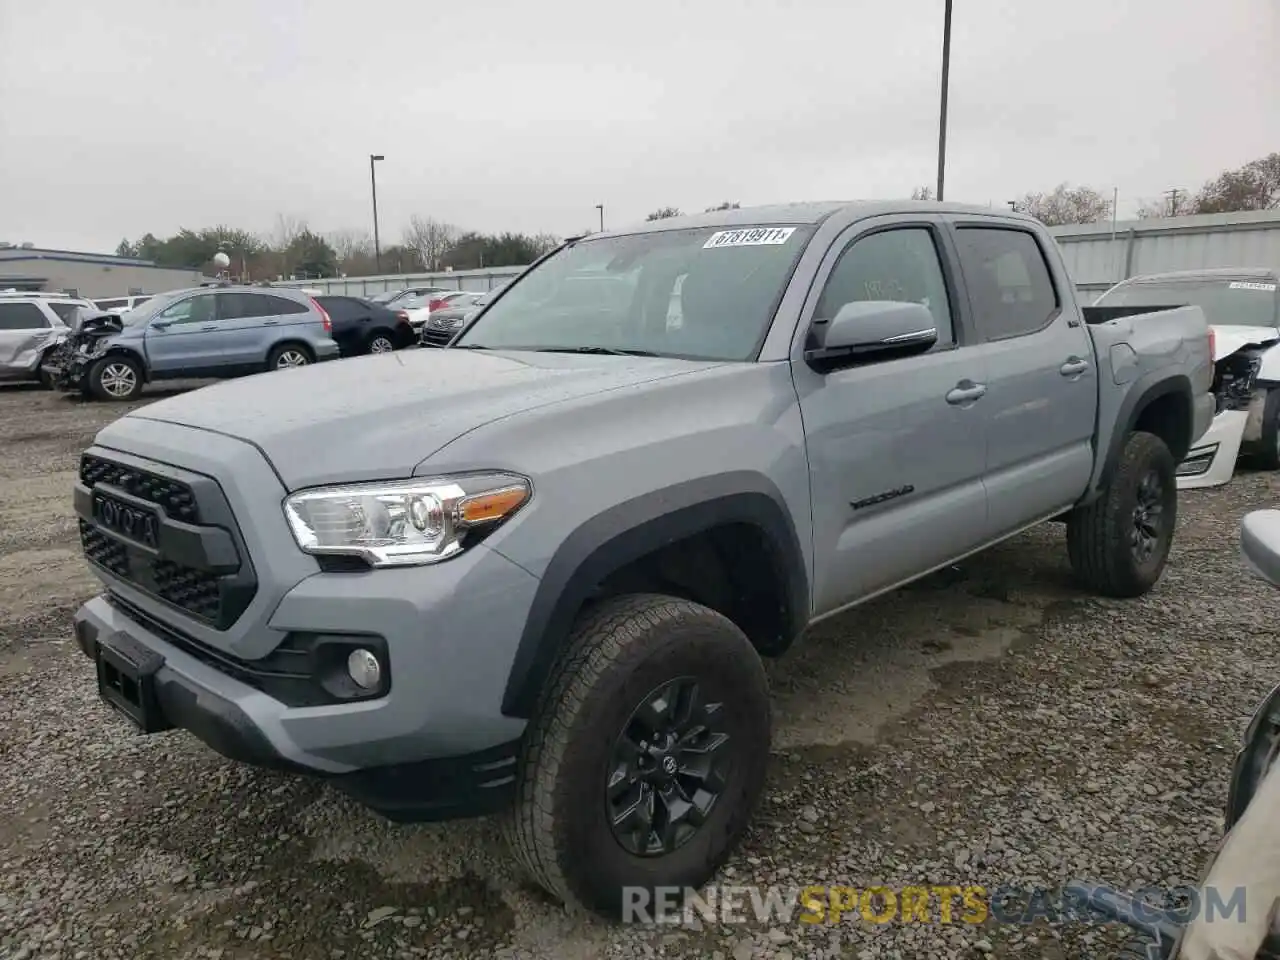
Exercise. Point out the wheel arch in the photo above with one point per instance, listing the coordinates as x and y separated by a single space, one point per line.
629 533
1158 404
118 350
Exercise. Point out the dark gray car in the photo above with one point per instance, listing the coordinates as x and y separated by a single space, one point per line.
443 325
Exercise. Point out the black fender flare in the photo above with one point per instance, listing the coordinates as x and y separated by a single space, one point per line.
630 530
1146 390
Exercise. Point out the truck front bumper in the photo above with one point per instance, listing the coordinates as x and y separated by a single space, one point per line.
181 691
434 745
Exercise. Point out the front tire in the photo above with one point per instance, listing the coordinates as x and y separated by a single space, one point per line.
645 758
1119 544
115 377
288 355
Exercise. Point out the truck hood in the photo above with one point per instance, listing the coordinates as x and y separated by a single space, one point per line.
378 417
1228 338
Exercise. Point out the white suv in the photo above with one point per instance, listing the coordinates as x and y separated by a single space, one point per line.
31 325
122 304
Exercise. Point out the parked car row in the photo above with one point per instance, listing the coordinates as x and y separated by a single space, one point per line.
111 348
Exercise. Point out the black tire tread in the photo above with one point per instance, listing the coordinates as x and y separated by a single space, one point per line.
1093 530
599 639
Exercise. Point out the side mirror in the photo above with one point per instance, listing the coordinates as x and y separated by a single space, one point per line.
160 324
874 328
1260 544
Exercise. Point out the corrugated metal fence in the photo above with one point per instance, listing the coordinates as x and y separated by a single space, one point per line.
1097 254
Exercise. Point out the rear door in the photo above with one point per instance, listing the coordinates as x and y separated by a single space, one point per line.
24 332
896 447
350 317
179 339
1041 373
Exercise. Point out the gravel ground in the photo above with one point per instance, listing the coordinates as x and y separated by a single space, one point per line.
990 725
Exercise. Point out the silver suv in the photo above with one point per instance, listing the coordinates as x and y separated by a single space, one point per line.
31 325
194 334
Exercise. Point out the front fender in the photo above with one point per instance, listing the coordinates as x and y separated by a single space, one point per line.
630 530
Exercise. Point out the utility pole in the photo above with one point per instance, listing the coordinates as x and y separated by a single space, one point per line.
600 207
942 112
373 183
1174 196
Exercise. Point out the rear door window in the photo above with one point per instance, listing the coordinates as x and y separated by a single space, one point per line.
65 311
22 316
279 306
1009 282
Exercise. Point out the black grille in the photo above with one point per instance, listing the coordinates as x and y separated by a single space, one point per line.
194 591
176 498
104 551
435 336
198 564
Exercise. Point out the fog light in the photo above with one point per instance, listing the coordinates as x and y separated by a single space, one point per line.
364 669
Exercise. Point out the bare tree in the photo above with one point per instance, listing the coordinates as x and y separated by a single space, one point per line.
349 244
546 242
430 239
726 205
1066 204
664 213
288 229
1153 208
1255 186
922 193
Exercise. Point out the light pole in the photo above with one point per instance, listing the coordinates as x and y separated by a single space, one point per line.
373 182
600 207
942 113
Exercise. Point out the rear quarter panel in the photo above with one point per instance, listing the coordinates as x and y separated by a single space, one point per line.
1138 358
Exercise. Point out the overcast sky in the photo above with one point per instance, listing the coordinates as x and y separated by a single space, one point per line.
130 116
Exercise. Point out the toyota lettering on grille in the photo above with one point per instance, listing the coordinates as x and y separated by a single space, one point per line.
132 523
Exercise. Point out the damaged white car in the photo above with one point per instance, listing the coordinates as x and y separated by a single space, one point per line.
1243 307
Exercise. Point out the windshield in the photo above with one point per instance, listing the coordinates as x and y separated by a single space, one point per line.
386 296
145 311
1244 303
695 293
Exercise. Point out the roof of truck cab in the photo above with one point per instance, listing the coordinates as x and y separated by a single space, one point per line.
807 213
1207 273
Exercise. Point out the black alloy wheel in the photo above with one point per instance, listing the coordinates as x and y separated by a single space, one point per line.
667 769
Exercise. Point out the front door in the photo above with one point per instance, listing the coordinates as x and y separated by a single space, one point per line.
897 447
180 338
1042 375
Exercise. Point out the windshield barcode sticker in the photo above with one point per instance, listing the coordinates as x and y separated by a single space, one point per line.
755 237
1249 285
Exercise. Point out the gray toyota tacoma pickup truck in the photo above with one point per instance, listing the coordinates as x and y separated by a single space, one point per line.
536 572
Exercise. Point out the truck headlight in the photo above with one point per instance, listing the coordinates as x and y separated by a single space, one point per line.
403 523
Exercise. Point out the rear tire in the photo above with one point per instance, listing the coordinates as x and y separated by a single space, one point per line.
1119 544
380 343
115 377
601 746
288 355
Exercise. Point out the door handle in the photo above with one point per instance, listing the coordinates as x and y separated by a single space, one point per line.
209 326
1073 367
966 391
269 323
